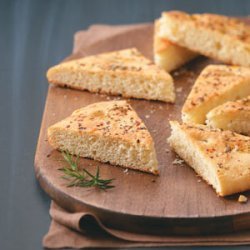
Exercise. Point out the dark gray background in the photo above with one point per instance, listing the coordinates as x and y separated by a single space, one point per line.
35 35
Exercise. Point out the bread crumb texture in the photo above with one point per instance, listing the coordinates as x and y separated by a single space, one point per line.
220 157
125 72
108 132
167 54
220 37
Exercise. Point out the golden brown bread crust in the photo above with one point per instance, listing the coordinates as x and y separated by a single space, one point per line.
168 55
217 36
233 107
223 24
115 119
160 43
225 154
215 85
126 72
234 115
112 123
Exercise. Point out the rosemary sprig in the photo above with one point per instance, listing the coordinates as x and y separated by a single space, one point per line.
81 177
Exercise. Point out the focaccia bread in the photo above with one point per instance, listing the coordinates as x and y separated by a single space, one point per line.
233 116
168 55
216 85
125 72
220 37
220 157
108 132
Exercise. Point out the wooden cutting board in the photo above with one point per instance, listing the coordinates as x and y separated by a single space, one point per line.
176 202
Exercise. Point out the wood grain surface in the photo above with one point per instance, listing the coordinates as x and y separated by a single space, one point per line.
177 201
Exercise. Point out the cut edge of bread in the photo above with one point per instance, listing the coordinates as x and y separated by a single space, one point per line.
168 55
122 150
125 72
204 34
185 147
220 157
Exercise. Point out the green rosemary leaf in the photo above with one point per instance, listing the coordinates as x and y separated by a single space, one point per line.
82 177
88 173
97 173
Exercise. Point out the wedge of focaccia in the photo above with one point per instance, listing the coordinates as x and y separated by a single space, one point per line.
108 132
216 85
220 37
220 157
126 72
233 116
168 55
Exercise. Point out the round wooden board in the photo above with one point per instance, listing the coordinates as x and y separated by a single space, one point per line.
177 201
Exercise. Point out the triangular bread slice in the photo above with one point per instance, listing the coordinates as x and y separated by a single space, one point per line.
125 72
220 37
220 157
233 116
168 55
108 132
216 85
